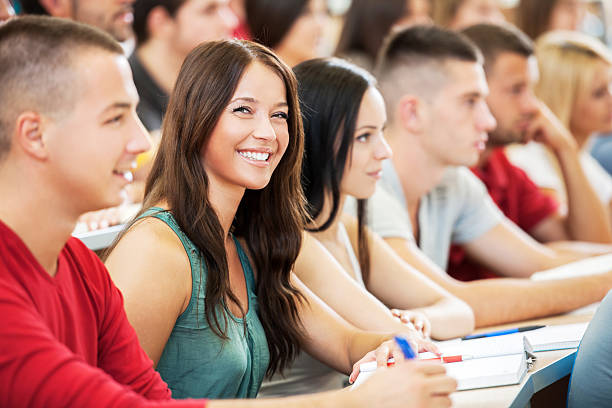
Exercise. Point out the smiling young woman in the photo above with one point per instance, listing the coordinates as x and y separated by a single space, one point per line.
205 268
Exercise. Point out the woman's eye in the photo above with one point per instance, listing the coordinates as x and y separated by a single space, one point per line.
281 115
363 137
242 109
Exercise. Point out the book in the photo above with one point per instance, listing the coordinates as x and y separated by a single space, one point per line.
487 362
557 337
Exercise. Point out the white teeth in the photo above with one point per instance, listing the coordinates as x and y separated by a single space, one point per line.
255 155
126 175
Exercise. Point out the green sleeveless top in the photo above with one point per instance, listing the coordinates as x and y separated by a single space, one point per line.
196 363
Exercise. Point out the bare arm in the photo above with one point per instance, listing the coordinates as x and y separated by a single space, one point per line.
322 274
151 268
587 218
401 286
497 301
509 251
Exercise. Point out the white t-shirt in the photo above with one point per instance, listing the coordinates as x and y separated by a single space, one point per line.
458 210
541 166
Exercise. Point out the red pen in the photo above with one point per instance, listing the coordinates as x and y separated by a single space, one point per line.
448 359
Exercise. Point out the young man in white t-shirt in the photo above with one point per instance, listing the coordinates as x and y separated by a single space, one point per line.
435 89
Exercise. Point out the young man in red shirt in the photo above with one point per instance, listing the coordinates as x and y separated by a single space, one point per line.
512 72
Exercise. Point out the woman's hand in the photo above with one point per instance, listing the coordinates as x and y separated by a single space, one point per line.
417 319
390 349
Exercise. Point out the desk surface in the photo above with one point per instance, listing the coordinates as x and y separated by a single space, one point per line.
550 366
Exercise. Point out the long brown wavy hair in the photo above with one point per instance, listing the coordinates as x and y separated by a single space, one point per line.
270 220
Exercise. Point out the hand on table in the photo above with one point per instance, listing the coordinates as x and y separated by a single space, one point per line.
408 384
417 320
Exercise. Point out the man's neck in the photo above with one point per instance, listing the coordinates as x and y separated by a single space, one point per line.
484 158
161 62
417 171
36 216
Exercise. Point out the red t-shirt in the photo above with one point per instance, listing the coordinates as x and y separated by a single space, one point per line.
519 199
65 340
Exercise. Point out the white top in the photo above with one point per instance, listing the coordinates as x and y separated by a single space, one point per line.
457 210
307 375
541 166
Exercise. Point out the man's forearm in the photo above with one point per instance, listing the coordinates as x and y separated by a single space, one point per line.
497 301
587 218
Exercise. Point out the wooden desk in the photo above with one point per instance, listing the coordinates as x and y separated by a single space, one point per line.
550 366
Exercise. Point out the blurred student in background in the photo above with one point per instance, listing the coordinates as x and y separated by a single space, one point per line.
368 22
458 14
166 31
575 76
511 69
535 17
113 16
294 29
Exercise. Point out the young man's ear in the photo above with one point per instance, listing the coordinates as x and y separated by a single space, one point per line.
58 8
29 134
157 22
410 113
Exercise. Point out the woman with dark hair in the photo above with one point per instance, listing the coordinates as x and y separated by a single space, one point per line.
344 116
368 22
205 268
292 28
535 17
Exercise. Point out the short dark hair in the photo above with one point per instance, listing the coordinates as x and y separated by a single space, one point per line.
269 21
32 7
429 43
142 8
37 54
367 23
494 39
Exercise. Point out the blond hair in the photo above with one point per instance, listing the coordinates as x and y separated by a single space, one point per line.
567 62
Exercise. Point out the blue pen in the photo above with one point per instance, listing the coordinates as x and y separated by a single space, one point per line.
405 347
502 332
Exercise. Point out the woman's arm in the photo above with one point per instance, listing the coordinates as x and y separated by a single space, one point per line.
401 286
151 268
326 278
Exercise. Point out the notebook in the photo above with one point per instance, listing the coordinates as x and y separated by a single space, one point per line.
489 362
558 337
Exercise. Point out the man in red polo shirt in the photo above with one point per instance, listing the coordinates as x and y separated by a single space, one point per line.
512 71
